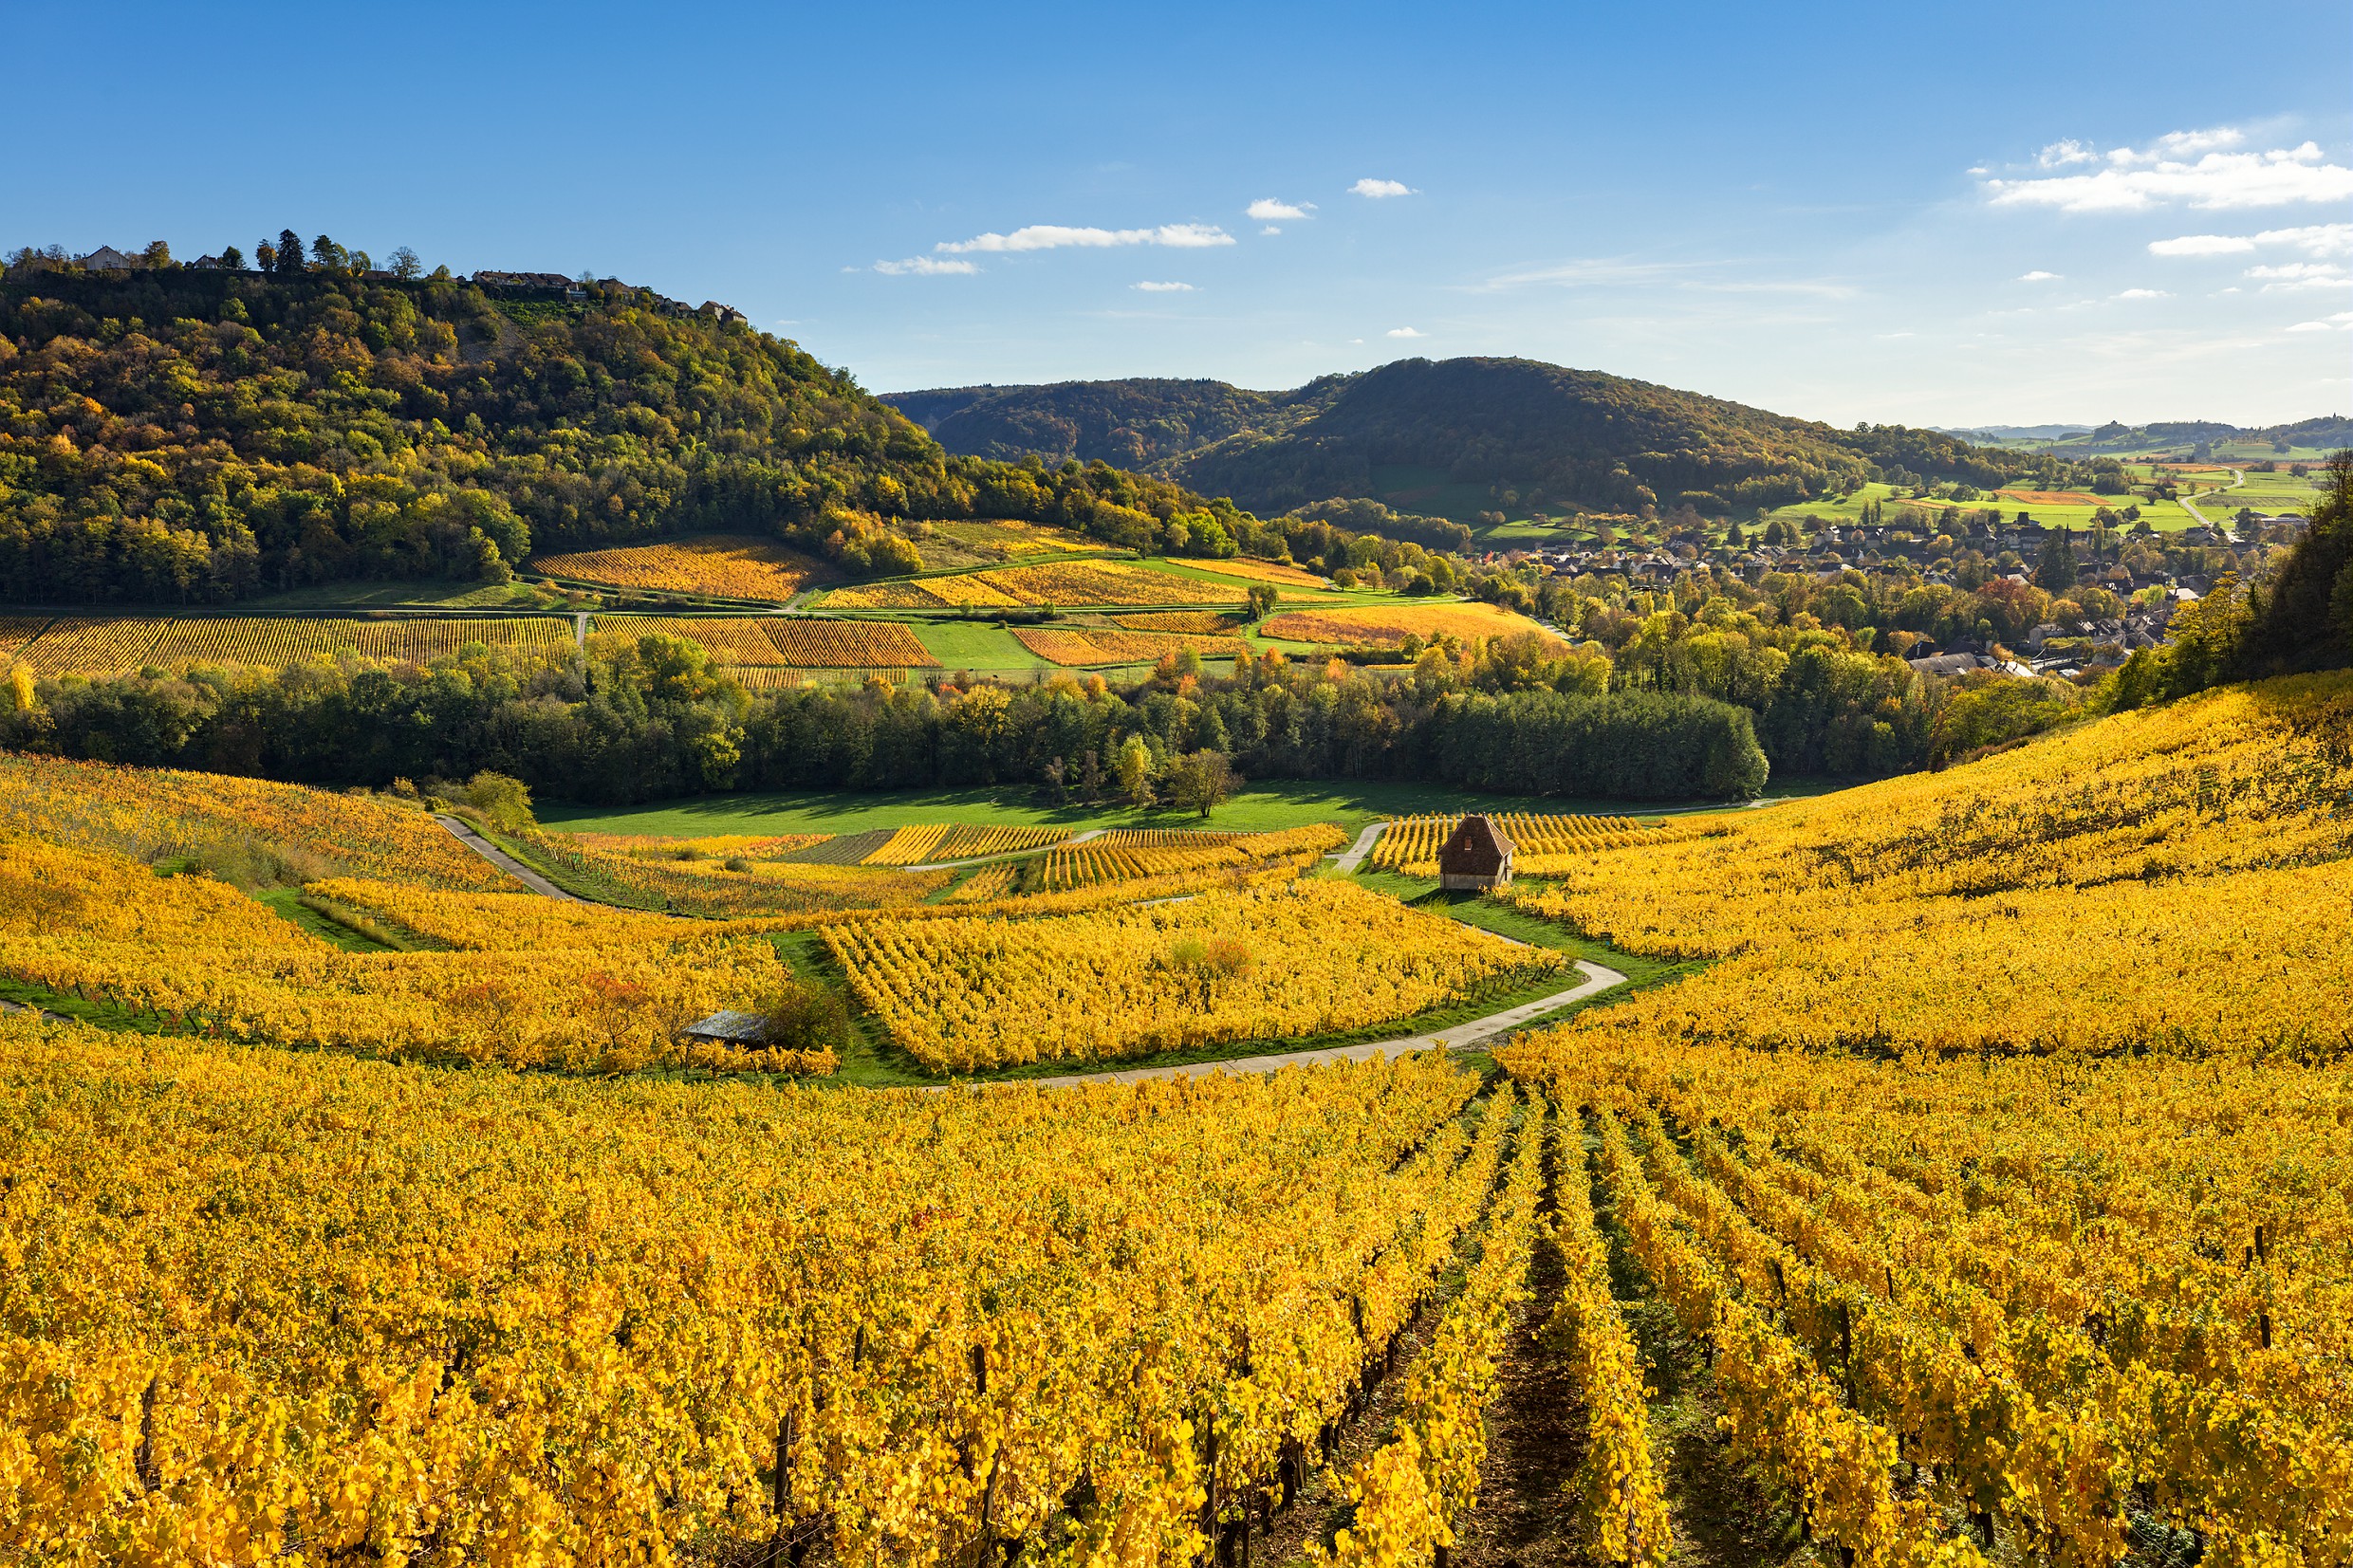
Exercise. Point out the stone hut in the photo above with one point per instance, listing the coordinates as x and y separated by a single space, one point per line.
1475 858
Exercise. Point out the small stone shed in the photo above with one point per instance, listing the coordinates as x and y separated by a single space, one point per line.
728 1029
1474 857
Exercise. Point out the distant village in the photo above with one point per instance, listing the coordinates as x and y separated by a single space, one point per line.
2153 572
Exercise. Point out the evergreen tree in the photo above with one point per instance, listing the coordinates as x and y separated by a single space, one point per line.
290 251
2054 572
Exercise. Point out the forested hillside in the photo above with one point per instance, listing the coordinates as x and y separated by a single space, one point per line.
173 434
1145 423
1570 437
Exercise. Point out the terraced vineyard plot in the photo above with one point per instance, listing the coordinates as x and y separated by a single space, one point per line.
1210 623
16 631
101 648
1281 573
912 846
722 566
1097 645
152 814
1067 582
1410 844
1309 959
97 647
1386 625
786 641
794 883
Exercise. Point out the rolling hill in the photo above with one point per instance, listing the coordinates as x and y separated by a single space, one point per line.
171 434
1451 437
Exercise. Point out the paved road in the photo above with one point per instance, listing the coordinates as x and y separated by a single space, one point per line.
1461 1037
504 861
1353 857
1011 854
2238 477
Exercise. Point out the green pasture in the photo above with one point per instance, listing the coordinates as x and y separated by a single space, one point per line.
1260 807
973 645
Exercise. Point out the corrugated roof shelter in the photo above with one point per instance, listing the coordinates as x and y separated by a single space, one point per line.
728 1028
1474 857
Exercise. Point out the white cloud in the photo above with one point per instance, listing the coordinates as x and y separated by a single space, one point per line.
1272 228
2038 275
2202 245
2302 275
1403 332
1378 188
2317 239
1165 288
2343 320
925 266
1055 236
1269 210
2190 167
2144 294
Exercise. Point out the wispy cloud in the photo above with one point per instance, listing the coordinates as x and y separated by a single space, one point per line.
1055 236
1269 209
2317 239
1164 287
2193 168
2038 275
1592 272
2144 294
1381 188
1403 332
2302 275
2340 322
925 266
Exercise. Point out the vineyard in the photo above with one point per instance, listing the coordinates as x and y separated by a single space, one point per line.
722 566
1082 645
1065 582
1266 964
1541 845
914 846
1387 625
1124 854
794 642
2069 1305
772 1309
741 885
154 815
2174 880
205 958
1279 572
104 648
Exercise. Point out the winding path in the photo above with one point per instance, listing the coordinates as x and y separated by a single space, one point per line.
1461 1037
1353 857
504 861
2238 478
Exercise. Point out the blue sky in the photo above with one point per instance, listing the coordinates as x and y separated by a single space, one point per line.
1932 213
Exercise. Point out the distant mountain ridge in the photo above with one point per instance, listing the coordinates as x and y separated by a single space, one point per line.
1455 436
2327 433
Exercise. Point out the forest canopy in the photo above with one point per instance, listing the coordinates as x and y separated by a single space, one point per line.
171 434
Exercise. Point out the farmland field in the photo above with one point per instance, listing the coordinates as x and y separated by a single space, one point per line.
1390 624
1066 583
101 647
1083 645
1325 956
792 642
722 566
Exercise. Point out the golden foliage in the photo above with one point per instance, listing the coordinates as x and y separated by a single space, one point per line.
1321 957
786 641
1385 625
917 845
104 648
2173 879
1065 582
724 565
265 1303
161 814
1099 645
1410 844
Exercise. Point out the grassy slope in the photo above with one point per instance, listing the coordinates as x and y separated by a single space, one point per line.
1261 807
973 645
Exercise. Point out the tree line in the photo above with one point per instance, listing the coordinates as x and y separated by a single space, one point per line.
642 718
